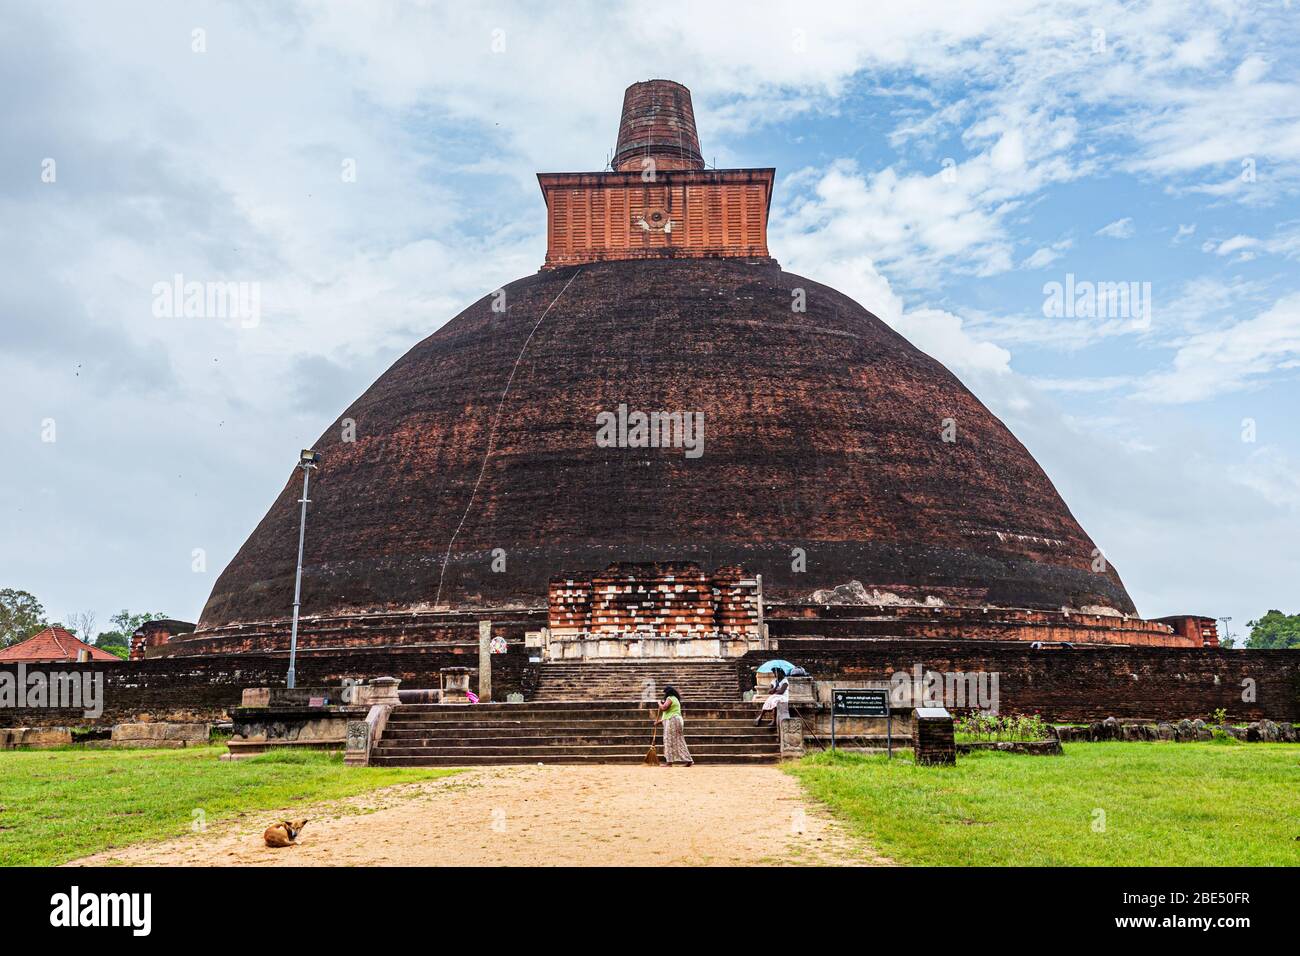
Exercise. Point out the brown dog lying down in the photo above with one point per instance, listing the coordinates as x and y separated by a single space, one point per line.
283 834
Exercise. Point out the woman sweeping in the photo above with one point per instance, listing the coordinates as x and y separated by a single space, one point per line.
670 713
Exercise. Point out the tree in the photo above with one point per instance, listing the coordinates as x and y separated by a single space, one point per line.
82 624
21 616
117 650
1275 630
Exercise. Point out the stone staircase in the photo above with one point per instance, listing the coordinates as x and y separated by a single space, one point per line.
566 732
638 680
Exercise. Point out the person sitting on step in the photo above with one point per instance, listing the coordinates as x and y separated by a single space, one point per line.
779 694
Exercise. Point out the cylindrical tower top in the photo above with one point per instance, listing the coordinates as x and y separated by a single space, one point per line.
658 123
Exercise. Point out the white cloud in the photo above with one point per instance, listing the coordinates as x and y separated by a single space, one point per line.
1105 383
1228 246
1119 229
1272 474
226 165
1232 358
1285 242
1044 256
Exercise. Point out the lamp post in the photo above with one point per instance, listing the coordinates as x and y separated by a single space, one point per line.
1227 632
307 461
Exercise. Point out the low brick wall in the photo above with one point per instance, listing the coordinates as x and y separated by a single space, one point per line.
1063 685
1074 685
203 688
911 622
361 632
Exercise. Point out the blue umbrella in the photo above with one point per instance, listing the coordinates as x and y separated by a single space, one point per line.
773 665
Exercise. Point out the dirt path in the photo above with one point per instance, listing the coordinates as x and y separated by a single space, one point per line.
538 816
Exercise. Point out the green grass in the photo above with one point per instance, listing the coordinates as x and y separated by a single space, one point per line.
1165 804
57 805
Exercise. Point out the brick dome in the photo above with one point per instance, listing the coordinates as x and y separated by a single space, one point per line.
476 475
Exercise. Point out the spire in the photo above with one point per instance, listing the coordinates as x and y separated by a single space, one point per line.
658 123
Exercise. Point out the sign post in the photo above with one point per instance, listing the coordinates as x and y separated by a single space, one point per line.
863 702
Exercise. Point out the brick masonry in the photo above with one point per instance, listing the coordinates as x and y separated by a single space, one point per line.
1079 685
932 739
850 469
1075 685
664 599
658 201
202 688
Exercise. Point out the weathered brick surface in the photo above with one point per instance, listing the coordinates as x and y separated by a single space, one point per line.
1076 685
933 741
1083 684
977 623
201 688
154 634
446 630
665 599
597 217
658 122
822 432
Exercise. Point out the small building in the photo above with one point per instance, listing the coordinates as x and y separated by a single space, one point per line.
54 645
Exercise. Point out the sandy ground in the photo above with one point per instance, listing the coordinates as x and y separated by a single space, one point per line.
538 816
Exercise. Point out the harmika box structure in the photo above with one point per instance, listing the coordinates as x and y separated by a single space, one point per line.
659 201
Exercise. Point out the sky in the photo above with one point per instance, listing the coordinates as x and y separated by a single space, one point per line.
368 170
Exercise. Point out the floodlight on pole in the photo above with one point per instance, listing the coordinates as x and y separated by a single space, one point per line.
307 461
1227 632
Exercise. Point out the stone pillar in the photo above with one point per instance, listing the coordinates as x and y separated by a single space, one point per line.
932 736
484 661
356 751
455 685
791 738
383 690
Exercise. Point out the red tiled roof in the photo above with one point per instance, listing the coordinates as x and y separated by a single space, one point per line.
53 644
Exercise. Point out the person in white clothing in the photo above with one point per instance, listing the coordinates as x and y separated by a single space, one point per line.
780 693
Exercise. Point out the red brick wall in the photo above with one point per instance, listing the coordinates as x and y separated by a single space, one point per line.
594 217
666 598
201 688
1076 685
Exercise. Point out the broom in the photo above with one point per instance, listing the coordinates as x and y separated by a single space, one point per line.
651 756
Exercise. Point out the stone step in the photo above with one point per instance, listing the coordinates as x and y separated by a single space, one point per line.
577 705
565 726
570 719
592 759
693 719
567 731
584 706
576 736
536 751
